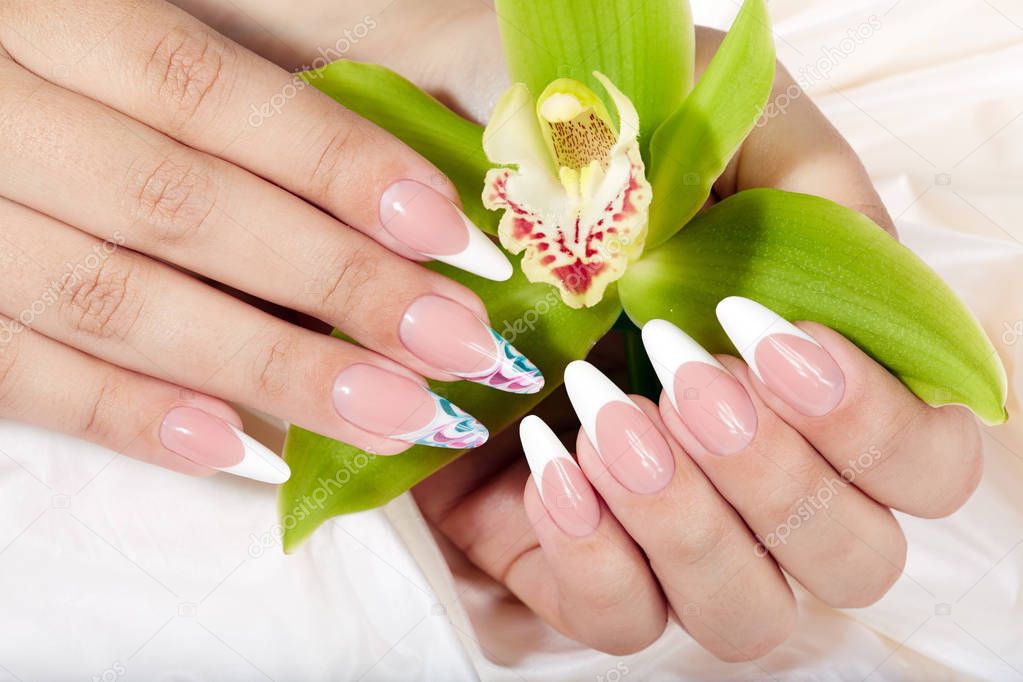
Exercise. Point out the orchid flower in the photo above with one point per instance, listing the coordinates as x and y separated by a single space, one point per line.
609 211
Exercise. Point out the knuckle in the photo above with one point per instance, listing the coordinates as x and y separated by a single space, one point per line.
798 495
274 367
8 361
174 198
348 280
186 69
99 417
867 571
693 543
105 301
335 166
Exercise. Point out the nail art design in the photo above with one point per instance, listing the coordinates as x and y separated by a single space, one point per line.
448 336
711 402
563 488
394 406
627 441
451 427
208 440
786 359
427 222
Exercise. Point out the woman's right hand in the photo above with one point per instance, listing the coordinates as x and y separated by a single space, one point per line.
131 146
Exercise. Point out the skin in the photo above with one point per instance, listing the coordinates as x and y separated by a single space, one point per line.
688 549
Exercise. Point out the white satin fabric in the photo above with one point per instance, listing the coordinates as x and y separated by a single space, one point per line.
111 569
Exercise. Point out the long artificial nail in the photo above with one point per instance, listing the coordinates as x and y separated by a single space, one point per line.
394 406
627 441
711 402
427 222
448 336
563 488
204 439
785 358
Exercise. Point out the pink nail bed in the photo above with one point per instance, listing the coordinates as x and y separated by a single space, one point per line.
210 441
715 407
448 336
201 437
564 490
627 441
394 406
801 373
427 222
790 362
418 216
633 449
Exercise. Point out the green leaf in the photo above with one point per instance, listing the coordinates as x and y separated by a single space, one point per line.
808 258
329 478
690 150
645 47
452 143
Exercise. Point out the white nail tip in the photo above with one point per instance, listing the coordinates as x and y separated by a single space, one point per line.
480 256
259 462
541 446
668 348
589 390
747 323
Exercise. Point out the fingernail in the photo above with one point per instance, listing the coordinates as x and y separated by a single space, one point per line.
394 406
427 222
711 402
788 360
565 492
204 439
627 441
448 336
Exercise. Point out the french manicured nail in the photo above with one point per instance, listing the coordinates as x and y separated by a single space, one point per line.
788 360
565 492
448 336
627 441
204 439
710 401
394 406
426 221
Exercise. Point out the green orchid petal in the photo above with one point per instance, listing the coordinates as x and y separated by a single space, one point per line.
451 142
808 258
329 478
645 47
690 150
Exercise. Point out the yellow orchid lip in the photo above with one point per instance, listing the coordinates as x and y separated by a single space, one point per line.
577 201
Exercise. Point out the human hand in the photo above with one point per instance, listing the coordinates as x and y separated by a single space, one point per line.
132 159
787 461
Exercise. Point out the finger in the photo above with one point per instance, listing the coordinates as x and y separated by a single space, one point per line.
794 147
181 206
132 414
731 599
841 545
878 435
133 312
178 75
595 583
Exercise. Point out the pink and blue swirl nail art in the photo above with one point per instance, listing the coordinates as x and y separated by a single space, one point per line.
511 371
451 427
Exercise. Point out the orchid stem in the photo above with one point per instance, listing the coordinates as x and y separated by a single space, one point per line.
642 378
